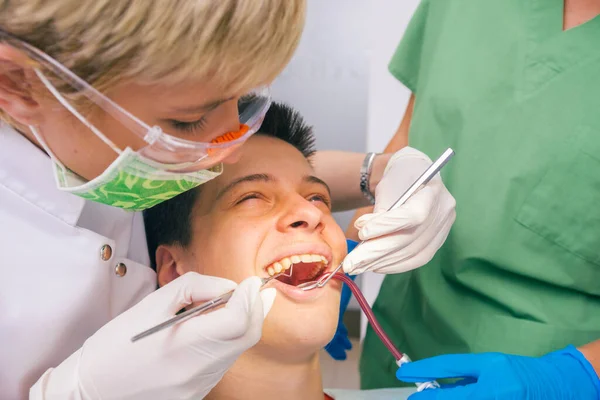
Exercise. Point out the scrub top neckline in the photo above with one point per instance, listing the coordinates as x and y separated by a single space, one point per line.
549 50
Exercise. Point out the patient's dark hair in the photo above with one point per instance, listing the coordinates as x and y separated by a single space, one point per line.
170 222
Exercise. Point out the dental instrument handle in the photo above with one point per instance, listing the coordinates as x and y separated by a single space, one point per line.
387 342
418 184
425 177
192 312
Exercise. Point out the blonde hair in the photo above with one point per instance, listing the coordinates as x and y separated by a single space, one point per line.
238 44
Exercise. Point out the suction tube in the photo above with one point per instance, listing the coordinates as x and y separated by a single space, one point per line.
364 305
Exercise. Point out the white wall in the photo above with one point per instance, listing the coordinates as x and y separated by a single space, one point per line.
338 79
387 98
327 79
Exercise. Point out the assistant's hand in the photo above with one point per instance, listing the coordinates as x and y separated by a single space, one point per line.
407 237
561 375
182 362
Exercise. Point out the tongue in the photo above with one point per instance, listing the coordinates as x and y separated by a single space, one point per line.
301 273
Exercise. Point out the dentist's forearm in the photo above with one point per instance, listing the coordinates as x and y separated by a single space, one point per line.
591 352
341 171
399 141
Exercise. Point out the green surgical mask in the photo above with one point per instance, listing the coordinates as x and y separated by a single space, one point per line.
132 182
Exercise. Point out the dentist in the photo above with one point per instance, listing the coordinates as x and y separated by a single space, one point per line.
109 108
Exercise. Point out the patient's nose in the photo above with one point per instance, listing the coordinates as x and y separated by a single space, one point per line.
302 214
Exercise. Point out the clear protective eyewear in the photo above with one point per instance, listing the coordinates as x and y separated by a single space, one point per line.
168 151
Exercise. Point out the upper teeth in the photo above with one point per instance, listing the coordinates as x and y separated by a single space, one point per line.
287 262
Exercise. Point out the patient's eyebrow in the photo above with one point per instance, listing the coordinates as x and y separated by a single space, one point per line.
243 179
314 179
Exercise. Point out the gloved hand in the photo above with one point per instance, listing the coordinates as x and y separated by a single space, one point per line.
182 362
561 375
408 236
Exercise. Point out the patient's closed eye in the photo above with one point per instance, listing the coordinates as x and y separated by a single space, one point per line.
249 196
313 198
320 198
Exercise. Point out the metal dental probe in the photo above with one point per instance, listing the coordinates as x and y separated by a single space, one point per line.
192 312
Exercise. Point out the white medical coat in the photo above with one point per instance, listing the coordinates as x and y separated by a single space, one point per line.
56 289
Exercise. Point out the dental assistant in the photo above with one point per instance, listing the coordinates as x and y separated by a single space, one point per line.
109 108
513 87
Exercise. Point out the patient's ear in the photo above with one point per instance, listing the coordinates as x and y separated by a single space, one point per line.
169 263
16 82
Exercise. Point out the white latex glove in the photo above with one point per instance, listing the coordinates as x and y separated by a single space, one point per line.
408 236
182 362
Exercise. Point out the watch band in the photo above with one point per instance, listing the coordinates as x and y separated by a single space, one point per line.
365 176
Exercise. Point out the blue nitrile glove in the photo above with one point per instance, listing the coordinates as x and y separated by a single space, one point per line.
561 375
340 343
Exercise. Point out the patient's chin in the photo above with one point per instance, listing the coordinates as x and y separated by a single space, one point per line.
300 331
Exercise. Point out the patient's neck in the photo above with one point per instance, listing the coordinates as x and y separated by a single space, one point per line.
258 376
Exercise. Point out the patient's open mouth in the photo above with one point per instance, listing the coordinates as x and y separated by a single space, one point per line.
299 269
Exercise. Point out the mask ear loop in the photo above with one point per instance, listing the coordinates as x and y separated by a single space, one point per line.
42 142
76 113
57 163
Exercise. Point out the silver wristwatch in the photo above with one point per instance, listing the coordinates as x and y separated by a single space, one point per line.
365 177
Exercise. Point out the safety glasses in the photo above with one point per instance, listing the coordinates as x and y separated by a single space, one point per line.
168 149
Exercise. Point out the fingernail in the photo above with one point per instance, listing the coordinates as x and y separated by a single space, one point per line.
254 284
364 233
347 266
268 297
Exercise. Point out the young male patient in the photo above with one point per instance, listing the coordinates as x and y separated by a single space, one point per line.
266 214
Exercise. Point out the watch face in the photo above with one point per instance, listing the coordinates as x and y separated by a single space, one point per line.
365 174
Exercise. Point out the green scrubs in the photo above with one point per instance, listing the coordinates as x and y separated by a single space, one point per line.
519 101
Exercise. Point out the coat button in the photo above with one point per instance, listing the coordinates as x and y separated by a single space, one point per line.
121 269
106 252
